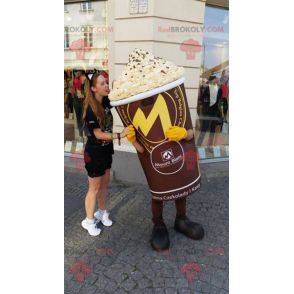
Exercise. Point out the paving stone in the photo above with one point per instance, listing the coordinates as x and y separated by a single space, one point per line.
218 278
181 283
120 291
170 291
89 290
101 282
111 286
128 284
222 291
121 259
169 282
144 283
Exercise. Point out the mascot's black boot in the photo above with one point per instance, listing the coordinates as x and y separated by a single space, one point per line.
188 228
159 238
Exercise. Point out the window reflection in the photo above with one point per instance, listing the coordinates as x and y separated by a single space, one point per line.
86 33
213 96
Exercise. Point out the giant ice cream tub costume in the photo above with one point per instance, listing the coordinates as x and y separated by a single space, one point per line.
152 104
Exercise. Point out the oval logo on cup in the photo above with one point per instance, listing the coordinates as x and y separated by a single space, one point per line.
167 158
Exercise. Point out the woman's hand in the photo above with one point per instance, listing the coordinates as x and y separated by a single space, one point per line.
176 133
132 134
125 132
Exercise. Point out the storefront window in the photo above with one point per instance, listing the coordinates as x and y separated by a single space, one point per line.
86 32
213 99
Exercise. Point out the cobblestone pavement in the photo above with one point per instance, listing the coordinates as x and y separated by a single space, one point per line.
121 260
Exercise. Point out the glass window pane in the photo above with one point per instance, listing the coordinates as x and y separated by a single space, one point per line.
86 49
213 99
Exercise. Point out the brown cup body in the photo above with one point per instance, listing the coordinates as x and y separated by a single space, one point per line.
171 168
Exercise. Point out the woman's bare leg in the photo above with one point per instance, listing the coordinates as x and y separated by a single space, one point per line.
103 190
90 200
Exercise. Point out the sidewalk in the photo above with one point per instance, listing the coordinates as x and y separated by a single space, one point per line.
121 260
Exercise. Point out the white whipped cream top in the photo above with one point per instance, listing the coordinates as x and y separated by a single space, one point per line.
142 73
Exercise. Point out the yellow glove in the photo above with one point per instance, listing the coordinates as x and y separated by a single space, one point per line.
176 133
132 135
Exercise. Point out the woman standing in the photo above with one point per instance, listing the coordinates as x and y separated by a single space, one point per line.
98 150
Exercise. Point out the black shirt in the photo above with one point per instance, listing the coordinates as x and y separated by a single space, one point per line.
208 110
92 123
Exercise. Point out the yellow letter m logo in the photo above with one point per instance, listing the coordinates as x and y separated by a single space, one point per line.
159 109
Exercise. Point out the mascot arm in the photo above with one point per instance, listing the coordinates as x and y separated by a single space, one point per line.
176 133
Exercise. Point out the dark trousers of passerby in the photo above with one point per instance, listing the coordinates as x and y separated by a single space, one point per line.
70 102
207 124
68 105
78 107
224 110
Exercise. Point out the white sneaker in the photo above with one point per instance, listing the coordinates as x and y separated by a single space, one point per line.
92 228
103 217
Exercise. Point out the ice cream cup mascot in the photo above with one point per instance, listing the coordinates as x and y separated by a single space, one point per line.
160 237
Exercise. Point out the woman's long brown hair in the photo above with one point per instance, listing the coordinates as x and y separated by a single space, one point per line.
90 101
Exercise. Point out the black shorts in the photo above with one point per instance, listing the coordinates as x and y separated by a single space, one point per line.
97 162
